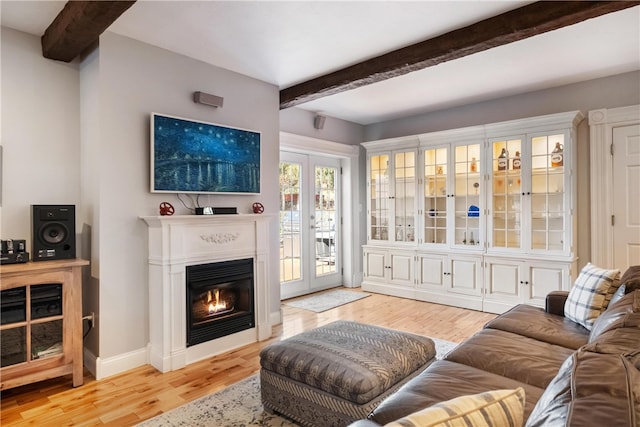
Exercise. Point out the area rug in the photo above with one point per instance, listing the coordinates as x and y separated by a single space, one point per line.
238 405
327 300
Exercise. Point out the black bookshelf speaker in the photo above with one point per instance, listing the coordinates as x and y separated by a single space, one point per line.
53 232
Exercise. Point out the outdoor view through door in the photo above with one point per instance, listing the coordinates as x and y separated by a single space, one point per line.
309 224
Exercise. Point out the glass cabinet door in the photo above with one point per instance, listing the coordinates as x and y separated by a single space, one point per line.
404 167
379 197
467 195
507 195
435 195
548 193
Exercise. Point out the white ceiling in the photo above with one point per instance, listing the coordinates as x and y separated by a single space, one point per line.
285 43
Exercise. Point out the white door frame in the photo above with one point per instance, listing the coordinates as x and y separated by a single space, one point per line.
348 154
601 124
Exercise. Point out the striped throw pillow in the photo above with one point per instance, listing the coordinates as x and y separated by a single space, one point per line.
497 408
590 294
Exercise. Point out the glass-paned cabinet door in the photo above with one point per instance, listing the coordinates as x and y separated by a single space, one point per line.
507 195
467 195
404 172
435 195
379 193
548 192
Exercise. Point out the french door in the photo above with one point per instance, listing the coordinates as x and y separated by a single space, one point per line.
310 258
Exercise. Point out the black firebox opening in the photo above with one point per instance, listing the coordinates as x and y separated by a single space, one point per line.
219 299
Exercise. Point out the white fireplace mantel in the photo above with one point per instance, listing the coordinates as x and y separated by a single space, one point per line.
178 241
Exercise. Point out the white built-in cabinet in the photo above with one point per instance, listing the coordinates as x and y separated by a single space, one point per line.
390 266
480 217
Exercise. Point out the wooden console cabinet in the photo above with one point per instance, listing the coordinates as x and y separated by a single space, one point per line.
41 328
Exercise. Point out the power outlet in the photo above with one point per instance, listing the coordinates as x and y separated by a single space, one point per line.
91 320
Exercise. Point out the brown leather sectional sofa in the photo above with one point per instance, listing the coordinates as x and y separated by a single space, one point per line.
571 376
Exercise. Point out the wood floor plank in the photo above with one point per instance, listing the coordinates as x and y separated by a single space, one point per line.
142 393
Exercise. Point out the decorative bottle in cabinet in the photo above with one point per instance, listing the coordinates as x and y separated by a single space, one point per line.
502 160
556 156
516 161
474 165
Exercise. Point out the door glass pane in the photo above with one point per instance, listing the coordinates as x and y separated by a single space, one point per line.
325 220
405 200
435 195
547 193
290 227
379 182
467 195
507 194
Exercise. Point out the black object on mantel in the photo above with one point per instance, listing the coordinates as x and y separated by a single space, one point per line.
216 211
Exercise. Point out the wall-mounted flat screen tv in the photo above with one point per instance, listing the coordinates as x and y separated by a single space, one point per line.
190 156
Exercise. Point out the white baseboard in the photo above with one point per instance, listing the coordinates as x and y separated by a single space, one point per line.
356 281
89 360
106 367
276 317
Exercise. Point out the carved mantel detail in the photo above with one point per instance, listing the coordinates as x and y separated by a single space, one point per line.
219 238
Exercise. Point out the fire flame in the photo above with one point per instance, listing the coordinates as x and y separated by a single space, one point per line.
215 304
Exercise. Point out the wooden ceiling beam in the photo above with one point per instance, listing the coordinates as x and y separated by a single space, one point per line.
78 26
518 24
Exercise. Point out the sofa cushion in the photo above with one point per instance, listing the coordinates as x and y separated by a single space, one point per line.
620 293
590 294
445 380
511 355
496 408
624 313
536 323
591 389
629 282
631 278
616 341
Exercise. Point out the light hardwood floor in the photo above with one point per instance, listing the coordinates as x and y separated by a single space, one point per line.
142 393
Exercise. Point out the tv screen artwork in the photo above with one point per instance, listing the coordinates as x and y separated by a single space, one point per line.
196 157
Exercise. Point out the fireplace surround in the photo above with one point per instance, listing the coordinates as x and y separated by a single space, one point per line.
181 241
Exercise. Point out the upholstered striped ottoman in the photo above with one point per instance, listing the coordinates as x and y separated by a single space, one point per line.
338 373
